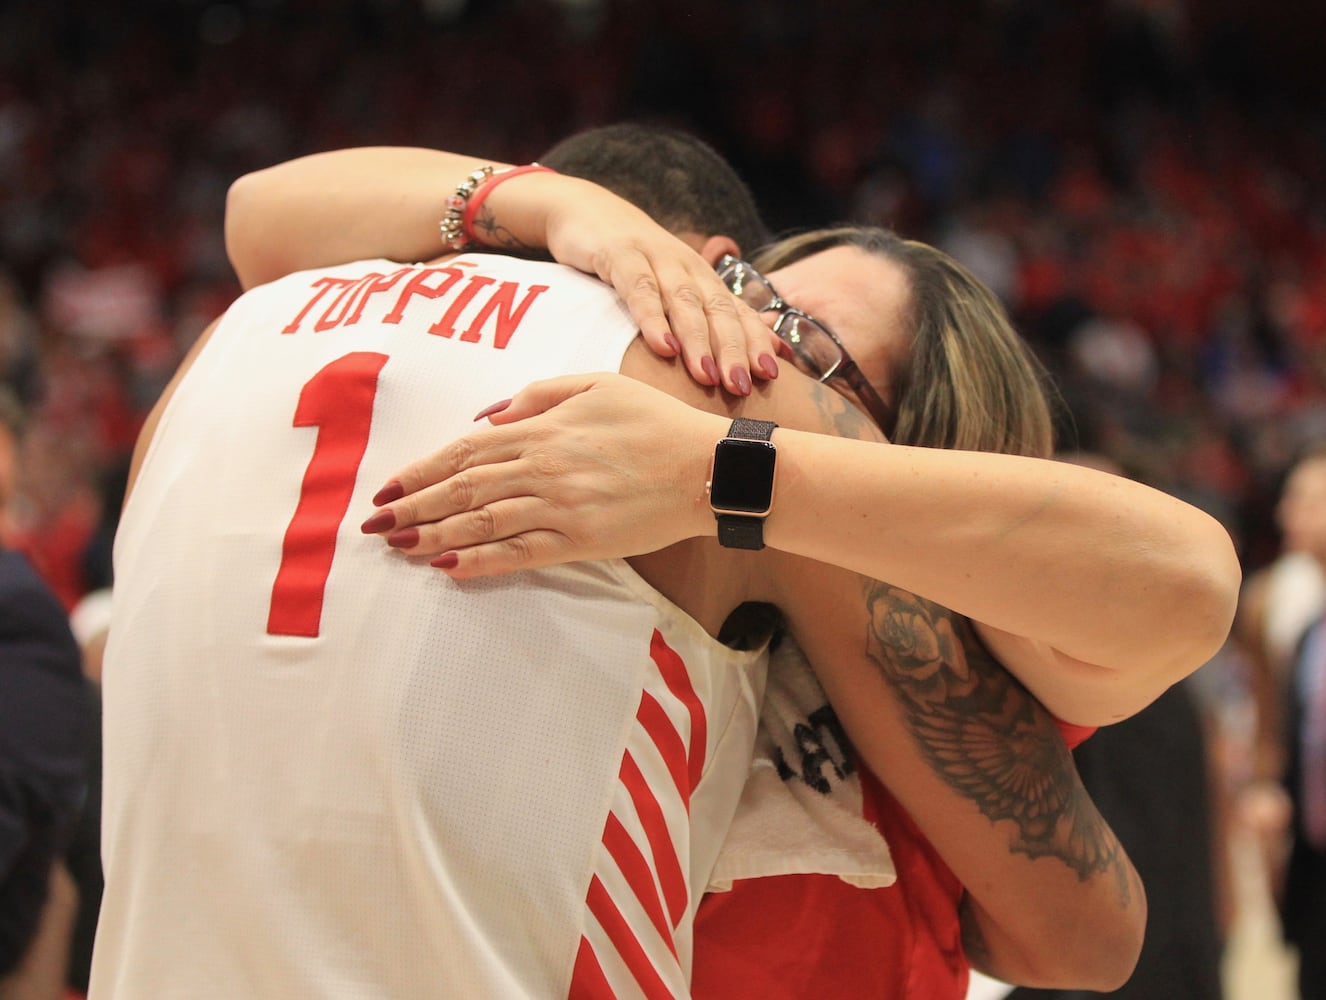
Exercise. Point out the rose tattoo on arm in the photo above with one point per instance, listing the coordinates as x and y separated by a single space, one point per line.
985 735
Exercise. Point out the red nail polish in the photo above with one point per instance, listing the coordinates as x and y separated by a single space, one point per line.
392 491
710 369
673 343
383 520
488 411
447 560
741 379
406 538
769 366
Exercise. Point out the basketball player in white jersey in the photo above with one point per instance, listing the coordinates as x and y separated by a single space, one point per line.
520 794
304 799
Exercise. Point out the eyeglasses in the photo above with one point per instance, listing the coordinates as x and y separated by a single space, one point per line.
819 351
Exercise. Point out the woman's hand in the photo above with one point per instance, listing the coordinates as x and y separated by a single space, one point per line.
578 467
671 291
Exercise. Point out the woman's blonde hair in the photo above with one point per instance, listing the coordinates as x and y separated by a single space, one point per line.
971 382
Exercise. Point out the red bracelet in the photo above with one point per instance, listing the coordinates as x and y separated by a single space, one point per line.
486 188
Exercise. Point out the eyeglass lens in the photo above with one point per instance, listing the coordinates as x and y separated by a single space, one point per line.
813 345
810 342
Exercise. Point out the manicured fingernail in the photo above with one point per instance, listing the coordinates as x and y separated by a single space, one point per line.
381 521
447 560
769 366
392 491
488 411
741 379
710 369
406 538
785 351
673 343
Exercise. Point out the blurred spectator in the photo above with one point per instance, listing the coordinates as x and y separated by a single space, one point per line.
1279 603
46 718
1303 909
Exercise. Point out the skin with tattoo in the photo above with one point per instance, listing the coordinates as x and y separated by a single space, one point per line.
493 234
986 736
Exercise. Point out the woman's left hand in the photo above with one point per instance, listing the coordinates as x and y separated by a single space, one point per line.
578 467
681 305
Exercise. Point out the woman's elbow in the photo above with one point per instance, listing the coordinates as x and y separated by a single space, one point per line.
1206 595
1107 962
1100 958
244 245
1094 945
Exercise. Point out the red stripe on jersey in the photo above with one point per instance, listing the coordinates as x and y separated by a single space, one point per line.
588 981
627 944
631 860
664 735
674 672
660 841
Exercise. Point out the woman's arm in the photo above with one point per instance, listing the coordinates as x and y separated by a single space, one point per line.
387 201
331 208
1052 899
1098 592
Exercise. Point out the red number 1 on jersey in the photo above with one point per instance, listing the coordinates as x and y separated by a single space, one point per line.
338 400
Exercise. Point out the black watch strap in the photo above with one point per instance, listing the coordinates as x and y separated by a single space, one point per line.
736 531
752 430
744 531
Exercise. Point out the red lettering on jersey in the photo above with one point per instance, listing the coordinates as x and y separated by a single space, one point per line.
499 306
381 284
326 284
337 313
446 326
418 285
350 297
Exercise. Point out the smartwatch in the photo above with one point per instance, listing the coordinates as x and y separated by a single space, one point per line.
742 481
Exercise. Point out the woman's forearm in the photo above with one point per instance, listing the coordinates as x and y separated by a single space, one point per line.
1053 899
1103 570
329 208
388 201
1097 591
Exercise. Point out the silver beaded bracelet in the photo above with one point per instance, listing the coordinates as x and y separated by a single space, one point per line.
452 225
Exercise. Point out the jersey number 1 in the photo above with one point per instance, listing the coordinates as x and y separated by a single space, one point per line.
338 400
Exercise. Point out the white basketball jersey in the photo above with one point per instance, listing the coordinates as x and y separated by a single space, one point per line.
330 770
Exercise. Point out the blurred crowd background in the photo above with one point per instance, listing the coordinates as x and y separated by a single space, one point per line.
1141 181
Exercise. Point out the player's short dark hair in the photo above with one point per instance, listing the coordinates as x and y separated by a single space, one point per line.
680 180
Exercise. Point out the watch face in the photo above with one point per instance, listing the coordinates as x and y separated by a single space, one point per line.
743 477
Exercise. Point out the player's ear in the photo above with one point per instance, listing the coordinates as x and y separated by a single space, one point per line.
715 247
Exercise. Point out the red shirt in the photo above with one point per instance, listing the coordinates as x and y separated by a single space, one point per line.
791 937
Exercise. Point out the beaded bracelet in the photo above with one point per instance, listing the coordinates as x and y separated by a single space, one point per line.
452 226
477 198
